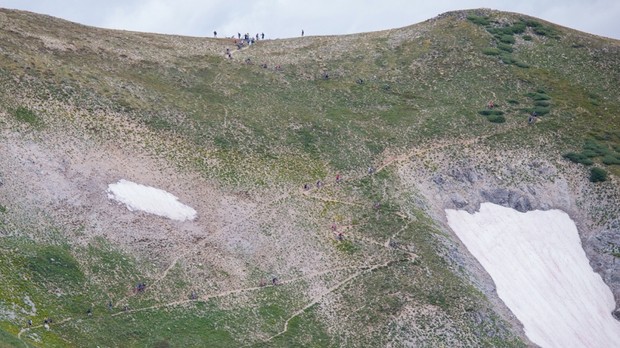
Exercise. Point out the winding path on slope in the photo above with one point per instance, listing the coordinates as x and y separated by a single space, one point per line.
307 194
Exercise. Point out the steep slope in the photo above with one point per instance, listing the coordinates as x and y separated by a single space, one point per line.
237 140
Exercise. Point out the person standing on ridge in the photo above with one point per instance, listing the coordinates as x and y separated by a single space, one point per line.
215 34
302 33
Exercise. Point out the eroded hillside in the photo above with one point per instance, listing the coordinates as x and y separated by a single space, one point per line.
400 116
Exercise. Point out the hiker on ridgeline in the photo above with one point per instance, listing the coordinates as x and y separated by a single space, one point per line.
306 187
302 33
215 34
338 178
274 281
371 170
278 67
319 184
262 36
239 36
257 36
491 105
340 236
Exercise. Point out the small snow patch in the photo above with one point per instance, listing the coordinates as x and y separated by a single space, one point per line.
149 199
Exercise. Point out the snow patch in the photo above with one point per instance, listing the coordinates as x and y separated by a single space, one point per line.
542 274
150 199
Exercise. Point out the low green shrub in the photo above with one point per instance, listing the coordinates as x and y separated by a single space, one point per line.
589 153
504 47
512 101
531 23
479 20
541 103
496 118
518 28
611 159
498 32
527 37
490 112
598 175
521 64
578 158
596 147
507 39
545 31
507 58
491 51
538 96
541 110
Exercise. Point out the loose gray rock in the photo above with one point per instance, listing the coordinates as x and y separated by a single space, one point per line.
458 200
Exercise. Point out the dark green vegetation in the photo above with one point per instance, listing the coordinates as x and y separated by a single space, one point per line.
262 133
504 36
598 175
602 147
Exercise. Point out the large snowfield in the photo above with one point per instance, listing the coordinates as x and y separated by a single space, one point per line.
541 273
149 199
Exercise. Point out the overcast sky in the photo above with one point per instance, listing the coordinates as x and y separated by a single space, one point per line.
286 18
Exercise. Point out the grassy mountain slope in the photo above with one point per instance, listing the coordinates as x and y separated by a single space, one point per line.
82 107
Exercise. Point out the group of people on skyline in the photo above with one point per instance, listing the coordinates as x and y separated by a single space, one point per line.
247 35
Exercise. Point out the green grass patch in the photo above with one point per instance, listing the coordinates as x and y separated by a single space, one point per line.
527 37
347 246
55 264
25 115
